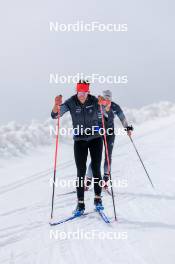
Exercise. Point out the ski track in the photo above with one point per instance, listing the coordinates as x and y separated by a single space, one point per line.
142 213
32 178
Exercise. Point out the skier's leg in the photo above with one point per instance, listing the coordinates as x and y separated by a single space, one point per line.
88 178
80 153
95 148
89 173
110 142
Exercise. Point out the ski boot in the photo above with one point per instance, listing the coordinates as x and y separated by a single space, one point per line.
98 204
79 209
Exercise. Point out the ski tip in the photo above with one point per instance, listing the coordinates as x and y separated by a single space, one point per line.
51 224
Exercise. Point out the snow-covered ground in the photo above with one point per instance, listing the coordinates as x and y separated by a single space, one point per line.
145 231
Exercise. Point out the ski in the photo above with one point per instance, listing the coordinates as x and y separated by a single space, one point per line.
103 216
63 221
67 193
71 192
100 212
68 219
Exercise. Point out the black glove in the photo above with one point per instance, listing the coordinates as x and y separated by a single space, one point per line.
128 128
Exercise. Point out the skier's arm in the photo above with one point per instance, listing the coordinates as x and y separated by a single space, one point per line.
63 109
118 111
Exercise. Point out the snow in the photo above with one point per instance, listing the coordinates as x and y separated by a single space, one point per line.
145 231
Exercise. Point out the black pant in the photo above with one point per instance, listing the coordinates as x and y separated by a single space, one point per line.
110 142
81 147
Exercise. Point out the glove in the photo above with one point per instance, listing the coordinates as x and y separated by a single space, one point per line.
129 129
100 100
103 101
58 100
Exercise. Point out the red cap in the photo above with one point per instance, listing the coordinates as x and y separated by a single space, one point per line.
83 87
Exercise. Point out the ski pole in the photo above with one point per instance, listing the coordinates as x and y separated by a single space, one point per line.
107 156
55 160
141 161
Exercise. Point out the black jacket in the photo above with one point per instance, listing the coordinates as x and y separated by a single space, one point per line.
84 116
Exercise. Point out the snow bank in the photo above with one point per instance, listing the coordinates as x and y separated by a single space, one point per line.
150 112
16 139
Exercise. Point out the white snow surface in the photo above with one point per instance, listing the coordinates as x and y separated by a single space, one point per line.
145 230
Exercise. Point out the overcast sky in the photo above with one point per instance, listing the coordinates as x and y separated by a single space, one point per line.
29 52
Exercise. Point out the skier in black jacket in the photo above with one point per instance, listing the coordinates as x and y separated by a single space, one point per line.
113 110
85 112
